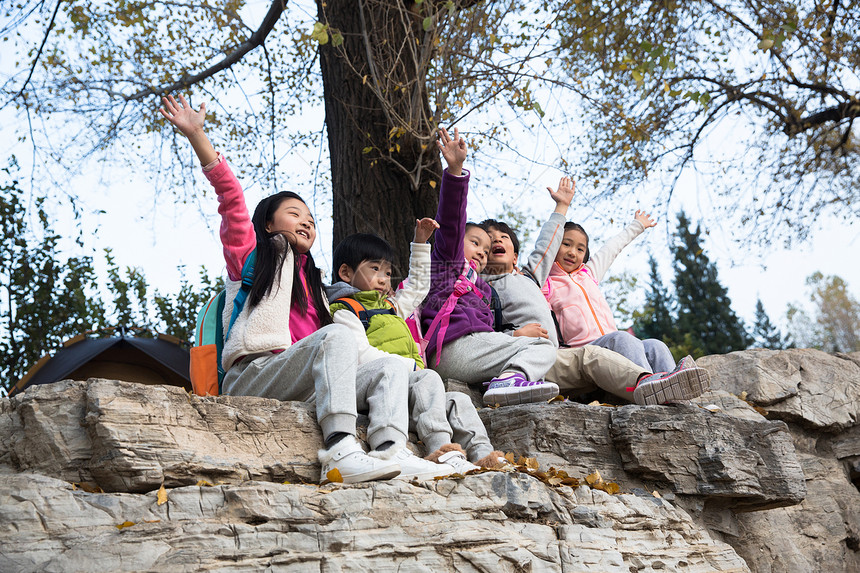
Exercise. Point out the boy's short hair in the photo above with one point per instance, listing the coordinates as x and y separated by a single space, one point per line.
488 224
360 247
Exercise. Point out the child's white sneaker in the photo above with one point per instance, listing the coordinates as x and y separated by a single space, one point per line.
458 461
354 465
412 467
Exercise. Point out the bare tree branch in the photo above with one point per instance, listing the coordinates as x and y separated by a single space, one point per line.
39 52
256 39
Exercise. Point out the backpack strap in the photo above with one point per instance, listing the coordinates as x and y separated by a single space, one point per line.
499 325
464 283
361 311
242 295
219 336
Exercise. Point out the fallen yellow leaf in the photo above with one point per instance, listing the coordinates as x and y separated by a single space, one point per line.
333 475
125 524
593 478
161 496
611 488
203 483
87 487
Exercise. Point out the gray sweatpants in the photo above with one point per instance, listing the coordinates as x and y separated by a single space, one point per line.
651 354
322 368
440 417
481 356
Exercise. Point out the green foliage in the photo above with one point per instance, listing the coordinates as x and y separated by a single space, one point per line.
46 298
704 310
619 292
834 325
765 333
697 318
43 300
656 319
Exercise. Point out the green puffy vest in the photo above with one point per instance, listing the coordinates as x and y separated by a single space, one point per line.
387 332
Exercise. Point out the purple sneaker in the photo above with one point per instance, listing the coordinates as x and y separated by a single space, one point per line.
686 381
515 389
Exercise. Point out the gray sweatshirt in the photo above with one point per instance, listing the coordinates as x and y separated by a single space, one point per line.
521 298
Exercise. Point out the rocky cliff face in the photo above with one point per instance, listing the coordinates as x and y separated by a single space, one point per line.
718 485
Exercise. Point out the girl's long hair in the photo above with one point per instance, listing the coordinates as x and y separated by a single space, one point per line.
272 249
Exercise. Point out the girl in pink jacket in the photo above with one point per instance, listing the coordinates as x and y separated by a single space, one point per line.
583 315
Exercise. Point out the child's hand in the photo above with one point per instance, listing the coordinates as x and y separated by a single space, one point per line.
645 219
564 195
453 150
423 229
533 329
182 116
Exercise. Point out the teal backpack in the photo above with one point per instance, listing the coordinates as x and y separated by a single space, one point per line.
207 373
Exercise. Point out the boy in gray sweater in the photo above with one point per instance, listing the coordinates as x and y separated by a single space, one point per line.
524 312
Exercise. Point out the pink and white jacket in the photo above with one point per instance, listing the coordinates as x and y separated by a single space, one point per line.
581 310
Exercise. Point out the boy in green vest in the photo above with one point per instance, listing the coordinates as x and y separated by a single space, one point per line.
363 300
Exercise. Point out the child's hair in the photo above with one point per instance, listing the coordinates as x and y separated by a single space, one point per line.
360 247
571 226
470 225
271 256
488 224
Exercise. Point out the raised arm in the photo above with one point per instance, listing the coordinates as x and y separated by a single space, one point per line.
451 215
603 259
551 234
190 124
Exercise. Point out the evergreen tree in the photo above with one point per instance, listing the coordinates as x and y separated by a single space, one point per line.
45 299
764 332
656 320
705 317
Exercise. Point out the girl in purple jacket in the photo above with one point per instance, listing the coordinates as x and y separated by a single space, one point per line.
456 316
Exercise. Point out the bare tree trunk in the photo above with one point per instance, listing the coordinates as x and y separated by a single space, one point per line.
381 183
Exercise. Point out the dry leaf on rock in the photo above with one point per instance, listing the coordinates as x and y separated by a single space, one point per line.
161 496
333 476
87 487
125 524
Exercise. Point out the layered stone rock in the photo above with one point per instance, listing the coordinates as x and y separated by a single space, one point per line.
490 522
695 480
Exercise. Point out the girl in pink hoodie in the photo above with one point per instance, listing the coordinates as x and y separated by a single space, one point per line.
583 315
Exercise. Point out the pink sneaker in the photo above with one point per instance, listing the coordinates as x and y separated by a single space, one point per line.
515 389
686 381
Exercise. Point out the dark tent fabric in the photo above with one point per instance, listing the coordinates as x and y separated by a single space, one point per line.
129 358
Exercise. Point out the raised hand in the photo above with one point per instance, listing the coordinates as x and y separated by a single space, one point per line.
182 115
645 219
564 195
190 124
424 228
453 150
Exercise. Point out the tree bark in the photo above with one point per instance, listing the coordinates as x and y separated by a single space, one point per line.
371 194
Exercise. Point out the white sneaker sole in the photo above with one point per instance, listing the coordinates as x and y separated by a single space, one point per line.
386 472
512 395
683 385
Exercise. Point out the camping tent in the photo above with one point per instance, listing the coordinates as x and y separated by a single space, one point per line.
159 360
